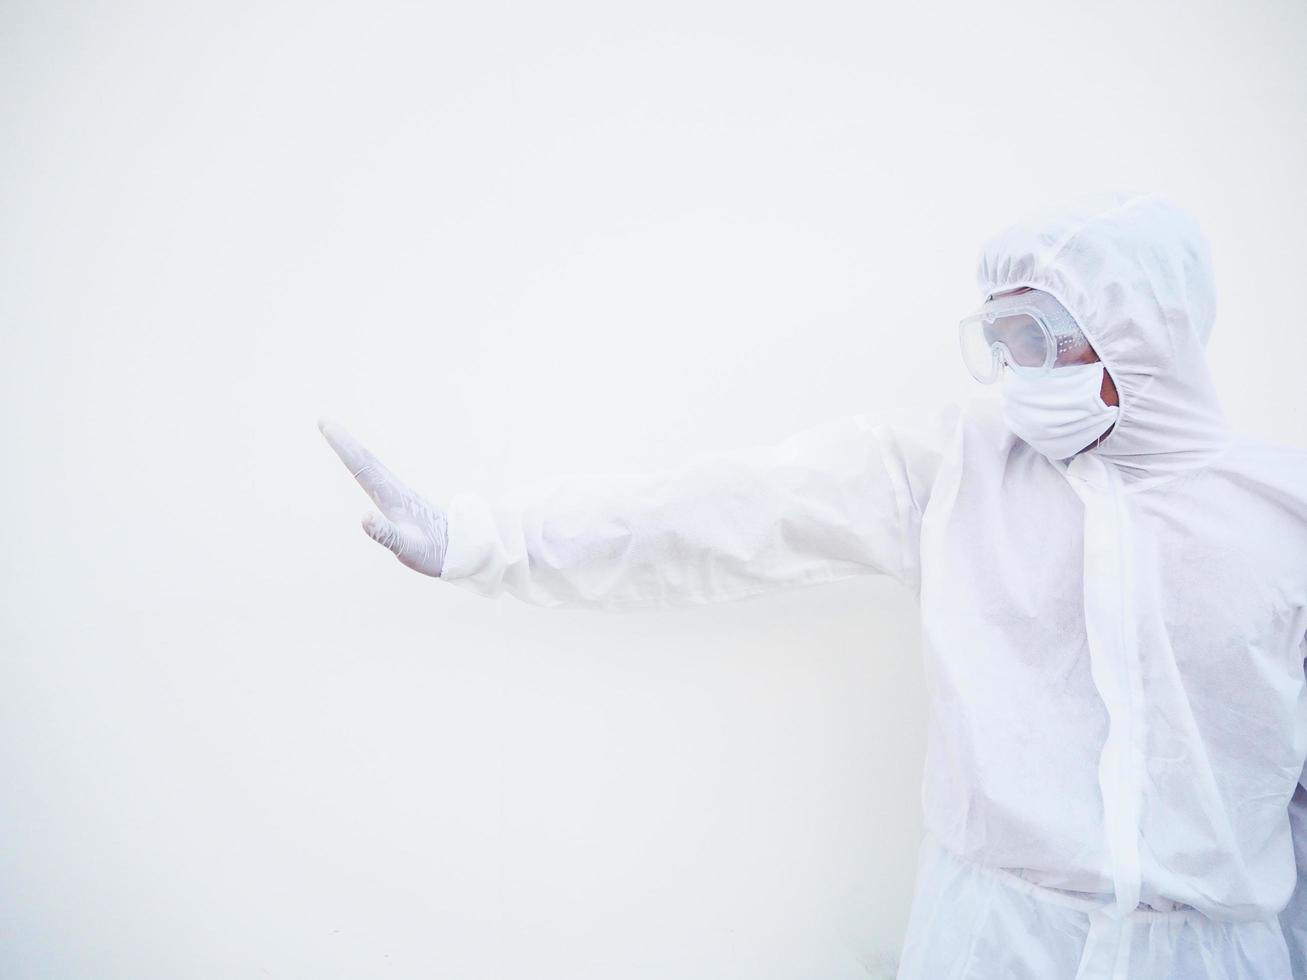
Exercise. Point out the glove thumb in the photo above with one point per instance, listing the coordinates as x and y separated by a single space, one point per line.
383 532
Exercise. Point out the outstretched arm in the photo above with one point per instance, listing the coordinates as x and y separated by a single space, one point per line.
839 499
827 503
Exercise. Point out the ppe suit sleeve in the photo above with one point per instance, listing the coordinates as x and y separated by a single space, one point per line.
839 499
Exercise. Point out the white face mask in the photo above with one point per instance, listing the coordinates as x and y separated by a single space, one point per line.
1060 413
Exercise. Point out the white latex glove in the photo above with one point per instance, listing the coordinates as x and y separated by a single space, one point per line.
409 524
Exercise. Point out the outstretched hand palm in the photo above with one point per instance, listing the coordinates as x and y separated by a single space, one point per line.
409 525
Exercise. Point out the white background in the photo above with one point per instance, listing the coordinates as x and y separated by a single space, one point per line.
498 242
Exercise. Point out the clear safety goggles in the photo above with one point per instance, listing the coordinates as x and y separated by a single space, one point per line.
1030 333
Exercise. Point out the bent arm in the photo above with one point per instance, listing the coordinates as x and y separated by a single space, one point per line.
833 501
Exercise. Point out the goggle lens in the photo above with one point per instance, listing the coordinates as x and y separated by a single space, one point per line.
1017 340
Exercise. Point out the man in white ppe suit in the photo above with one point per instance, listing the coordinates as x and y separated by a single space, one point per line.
1113 591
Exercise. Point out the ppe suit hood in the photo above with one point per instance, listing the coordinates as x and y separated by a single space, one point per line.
1135 272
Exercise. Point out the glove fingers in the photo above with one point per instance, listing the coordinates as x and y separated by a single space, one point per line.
377 481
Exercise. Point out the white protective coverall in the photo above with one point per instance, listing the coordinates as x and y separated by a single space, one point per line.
1114 648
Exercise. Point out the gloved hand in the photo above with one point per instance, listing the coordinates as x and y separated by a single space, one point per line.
409 524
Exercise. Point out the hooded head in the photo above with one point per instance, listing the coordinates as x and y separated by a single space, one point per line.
1135 272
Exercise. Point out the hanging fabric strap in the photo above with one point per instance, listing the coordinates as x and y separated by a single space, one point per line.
1114 665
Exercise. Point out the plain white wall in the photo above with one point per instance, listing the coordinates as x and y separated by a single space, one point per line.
502 241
